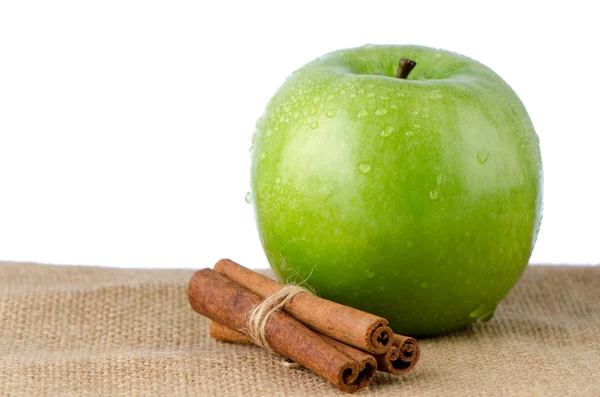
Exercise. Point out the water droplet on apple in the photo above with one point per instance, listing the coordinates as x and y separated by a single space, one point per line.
381 112
253 139
342 92
248 198
387 131
433 194
482 313
352 96
370 274
313 110
263 155
362 114
483 156
364 168
435 94
278 180
251 147
392 106
425 284
361 91
370 95
330 98
316 100
258 123
416 112
331 113
269 132
439 179
314 125
281 119
486 317
409 133
296 115
384 98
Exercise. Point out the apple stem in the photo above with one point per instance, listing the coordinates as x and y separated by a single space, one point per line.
404 68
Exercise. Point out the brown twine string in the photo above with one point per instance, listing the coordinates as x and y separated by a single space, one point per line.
259 317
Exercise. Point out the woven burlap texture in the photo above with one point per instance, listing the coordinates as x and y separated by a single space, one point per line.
76 331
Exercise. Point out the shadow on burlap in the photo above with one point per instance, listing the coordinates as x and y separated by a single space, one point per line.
72 331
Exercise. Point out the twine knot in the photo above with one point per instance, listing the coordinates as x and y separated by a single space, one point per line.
259 317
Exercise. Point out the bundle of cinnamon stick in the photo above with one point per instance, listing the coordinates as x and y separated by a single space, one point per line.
342 344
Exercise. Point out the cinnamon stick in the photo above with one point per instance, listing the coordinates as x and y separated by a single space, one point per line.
354 327
225 334
401 358
220 299
366 362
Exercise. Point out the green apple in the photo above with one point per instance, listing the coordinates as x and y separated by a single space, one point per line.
415 195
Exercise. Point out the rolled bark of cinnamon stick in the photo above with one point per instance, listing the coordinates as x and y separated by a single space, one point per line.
343 323
220 299
366 362
401 358
220 332
367 365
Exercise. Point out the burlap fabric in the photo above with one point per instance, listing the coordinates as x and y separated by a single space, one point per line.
71 331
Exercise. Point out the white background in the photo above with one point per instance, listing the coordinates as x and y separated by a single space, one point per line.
125 125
